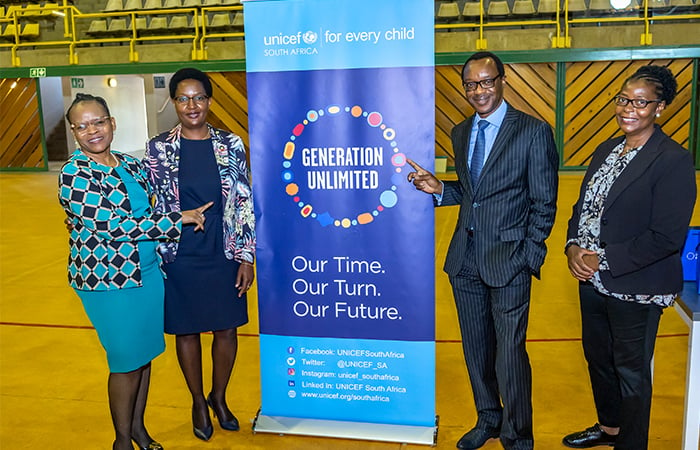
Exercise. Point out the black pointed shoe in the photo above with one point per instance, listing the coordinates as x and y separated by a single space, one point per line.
206 431
590 437
203 433
477 437
229 425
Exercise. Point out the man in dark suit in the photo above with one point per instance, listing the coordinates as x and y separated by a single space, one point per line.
506 164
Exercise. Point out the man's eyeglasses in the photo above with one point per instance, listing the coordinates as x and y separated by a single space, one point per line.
485 84
183 99
82 127
637 103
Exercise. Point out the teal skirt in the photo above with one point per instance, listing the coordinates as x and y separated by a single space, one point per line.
129 322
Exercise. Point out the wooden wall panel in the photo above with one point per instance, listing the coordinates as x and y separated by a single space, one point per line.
20 132
588 118
229 109
451 107
589 115
529 87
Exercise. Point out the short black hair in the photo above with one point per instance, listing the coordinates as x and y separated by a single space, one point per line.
660 77
483 55
190 73
79 98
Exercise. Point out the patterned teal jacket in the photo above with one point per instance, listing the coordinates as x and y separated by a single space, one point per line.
103 242
162 162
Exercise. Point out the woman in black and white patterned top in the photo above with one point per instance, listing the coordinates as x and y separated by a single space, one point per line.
623 245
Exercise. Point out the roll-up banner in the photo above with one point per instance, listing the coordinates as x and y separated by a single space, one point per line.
340 93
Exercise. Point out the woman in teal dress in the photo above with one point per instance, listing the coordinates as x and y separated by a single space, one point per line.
113 264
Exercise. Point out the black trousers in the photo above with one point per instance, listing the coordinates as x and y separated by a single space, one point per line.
618 342
493 322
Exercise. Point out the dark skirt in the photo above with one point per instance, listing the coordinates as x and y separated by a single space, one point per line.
200 285
200 295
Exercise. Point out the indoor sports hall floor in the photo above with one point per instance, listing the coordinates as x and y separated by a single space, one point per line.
53 372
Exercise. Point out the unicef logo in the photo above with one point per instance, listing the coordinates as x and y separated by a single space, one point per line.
310 37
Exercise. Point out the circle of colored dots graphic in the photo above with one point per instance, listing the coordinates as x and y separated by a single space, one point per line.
388 197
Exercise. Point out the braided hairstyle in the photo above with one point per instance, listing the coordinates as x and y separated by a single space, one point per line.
661 78
79 98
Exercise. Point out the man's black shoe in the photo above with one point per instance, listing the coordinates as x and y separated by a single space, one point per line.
477 437
590 437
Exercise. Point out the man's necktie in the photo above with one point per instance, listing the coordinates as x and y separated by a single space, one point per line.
477 161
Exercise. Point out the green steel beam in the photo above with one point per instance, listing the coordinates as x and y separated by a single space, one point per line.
573 55
559 120
229 65
41 126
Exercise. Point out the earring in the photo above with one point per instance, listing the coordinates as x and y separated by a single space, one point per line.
658 115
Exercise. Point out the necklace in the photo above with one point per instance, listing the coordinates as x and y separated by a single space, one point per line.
626 148
110 160
206 136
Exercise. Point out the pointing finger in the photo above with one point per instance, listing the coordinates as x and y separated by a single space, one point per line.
415 166
203 208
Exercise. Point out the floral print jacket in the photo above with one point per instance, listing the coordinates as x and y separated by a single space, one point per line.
162 160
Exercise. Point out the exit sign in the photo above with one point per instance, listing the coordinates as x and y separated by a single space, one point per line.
77 83
37 72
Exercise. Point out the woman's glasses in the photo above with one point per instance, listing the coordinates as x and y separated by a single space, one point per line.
638 103
183 99
82 127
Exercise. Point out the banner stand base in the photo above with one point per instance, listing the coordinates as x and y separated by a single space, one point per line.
409 434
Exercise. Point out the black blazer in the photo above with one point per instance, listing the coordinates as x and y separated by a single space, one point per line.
511 212
645 217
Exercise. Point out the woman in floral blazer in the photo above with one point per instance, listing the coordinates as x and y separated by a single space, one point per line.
208 272
162 162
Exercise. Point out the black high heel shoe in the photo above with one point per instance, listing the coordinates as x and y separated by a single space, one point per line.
204 433
229 425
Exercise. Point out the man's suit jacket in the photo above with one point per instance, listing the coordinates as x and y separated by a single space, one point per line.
510 212
645 216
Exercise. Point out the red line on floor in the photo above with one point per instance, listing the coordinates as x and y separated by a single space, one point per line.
47 325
